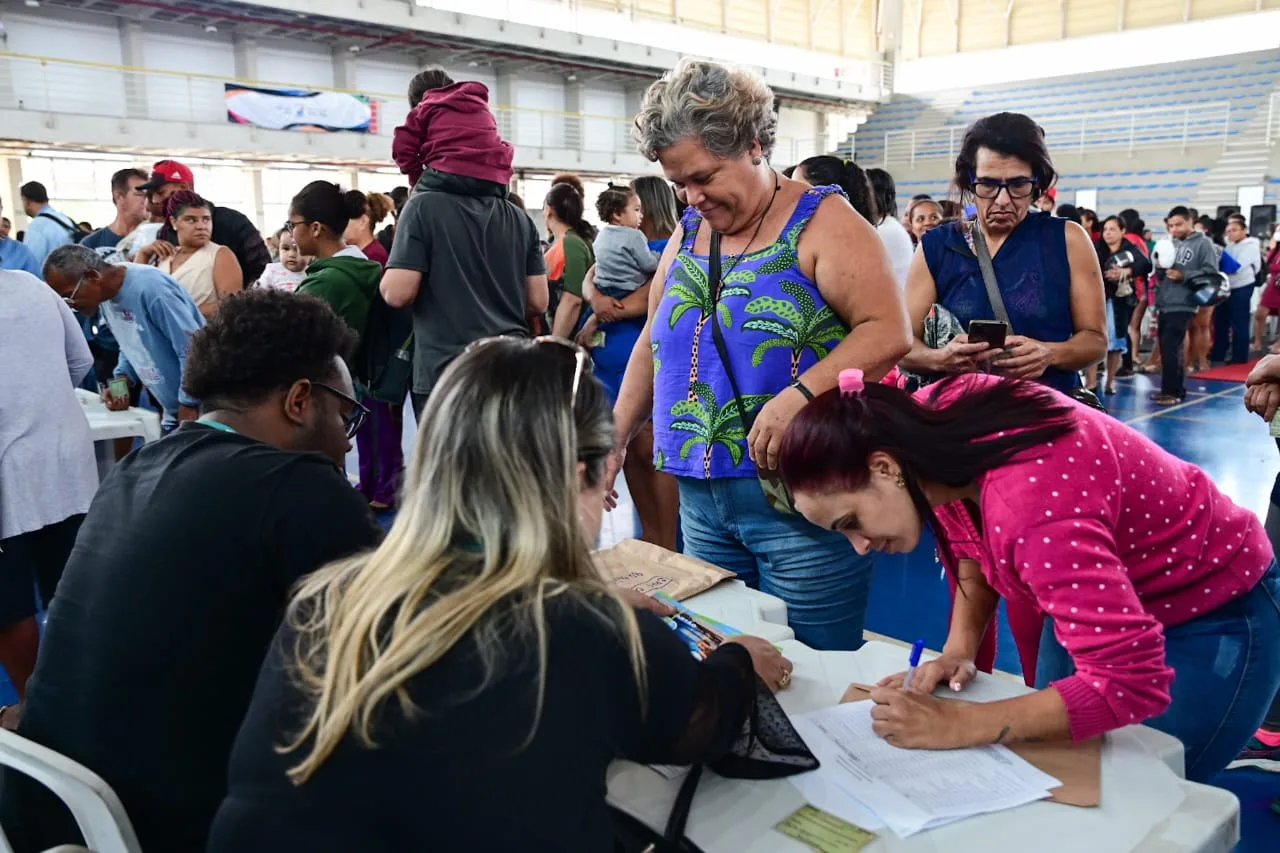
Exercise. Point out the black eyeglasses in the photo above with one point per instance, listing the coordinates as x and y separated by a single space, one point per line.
989 188
290 224
354 419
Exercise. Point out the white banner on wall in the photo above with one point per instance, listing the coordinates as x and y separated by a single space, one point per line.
300 109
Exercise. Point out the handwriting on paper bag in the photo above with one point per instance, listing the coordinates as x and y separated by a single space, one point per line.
648 569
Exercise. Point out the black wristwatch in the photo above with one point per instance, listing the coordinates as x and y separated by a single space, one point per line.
802 388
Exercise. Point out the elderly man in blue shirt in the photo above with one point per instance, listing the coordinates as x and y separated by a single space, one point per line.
16 256
152 316
48 228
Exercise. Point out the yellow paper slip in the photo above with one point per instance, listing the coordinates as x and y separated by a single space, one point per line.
824 832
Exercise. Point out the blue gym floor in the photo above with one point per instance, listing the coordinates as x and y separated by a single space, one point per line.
910 599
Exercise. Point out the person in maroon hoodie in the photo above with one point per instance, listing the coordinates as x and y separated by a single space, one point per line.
450 129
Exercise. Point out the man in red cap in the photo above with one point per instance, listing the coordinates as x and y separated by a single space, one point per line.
231 228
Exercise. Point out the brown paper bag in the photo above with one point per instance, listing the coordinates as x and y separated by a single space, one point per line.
649 569
1077 765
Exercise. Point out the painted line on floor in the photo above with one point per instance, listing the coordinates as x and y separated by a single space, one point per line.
1186 404
1243 418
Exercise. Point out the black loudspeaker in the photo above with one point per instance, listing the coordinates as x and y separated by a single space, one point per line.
1225 210
1261 216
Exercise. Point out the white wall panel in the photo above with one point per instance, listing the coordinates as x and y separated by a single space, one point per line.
70 88
189 54
384 76
296 63
388 81
540 123
607 125
93 40
183 98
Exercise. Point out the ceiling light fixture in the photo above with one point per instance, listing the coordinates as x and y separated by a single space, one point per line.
473 64
32 4
210 28
572 78
355 48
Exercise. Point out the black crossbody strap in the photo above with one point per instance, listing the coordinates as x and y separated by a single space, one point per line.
713 282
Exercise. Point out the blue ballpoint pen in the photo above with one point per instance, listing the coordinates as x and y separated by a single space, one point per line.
916 649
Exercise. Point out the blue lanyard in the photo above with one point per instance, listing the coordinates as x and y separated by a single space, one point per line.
217 425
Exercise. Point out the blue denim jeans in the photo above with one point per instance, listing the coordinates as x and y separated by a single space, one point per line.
1231 321
824 582
1226 674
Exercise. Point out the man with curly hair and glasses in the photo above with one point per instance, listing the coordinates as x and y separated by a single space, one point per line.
181 571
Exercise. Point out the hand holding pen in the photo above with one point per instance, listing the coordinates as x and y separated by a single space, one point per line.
948 668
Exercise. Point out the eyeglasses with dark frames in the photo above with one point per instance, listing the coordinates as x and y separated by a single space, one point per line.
354 419
289 225
989 188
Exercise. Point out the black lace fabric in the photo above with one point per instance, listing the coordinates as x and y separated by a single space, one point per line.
737 726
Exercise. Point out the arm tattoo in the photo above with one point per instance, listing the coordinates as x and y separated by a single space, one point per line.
1003 734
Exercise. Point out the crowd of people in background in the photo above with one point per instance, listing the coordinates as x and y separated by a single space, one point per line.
708 336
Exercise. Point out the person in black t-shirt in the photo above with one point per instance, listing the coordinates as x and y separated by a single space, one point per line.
181 570
482 674
471 266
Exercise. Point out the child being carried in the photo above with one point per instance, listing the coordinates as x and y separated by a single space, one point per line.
624 261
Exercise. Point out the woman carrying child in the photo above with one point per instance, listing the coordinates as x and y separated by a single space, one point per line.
618 289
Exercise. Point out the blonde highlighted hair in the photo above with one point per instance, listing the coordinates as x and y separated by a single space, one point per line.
487 533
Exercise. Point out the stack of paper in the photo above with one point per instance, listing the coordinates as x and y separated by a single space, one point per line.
867 781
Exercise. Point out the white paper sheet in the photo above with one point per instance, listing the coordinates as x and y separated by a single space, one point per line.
868 781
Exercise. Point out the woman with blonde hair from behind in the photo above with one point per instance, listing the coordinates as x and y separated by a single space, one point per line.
466 685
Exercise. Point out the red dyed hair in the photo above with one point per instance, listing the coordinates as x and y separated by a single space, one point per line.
952 437
183 199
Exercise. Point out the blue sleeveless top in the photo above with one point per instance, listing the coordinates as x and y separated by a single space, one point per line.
1034 278
776 325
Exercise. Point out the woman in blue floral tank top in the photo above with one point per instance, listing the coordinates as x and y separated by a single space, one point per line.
806 291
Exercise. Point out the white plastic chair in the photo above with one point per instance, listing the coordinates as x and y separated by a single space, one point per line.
96 808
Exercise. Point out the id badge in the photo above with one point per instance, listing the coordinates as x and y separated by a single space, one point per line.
597 340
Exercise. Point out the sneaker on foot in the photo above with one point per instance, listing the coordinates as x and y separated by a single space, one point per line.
1259 754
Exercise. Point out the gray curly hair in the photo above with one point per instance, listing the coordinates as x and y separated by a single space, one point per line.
726 107
74 261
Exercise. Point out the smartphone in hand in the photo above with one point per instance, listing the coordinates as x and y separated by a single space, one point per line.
989 332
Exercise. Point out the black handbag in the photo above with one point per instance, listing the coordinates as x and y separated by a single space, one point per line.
768 747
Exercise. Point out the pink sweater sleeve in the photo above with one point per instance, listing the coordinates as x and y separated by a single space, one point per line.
1069 562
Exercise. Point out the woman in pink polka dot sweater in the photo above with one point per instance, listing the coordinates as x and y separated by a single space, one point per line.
1161 597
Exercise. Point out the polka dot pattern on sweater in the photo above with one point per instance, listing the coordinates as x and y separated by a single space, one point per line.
1080 548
